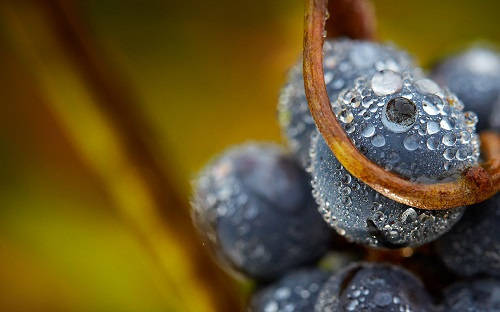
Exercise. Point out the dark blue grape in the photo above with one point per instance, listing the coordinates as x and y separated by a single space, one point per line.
253 204
476 296
409 125
373 287
474 76
296 291
473 245
344 61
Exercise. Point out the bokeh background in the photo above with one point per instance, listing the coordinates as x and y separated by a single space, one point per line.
109 108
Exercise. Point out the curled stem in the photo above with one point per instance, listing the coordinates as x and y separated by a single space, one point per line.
475 185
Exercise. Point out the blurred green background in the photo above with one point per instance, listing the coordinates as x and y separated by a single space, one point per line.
110 108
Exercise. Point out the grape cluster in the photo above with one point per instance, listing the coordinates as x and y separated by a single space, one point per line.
270 214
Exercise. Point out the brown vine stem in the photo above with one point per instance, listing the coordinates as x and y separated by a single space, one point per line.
475 185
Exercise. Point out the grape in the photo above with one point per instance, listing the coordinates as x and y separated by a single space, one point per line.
473 245
373 287
344 61
253 205
474 76
476 296
296 291
409 125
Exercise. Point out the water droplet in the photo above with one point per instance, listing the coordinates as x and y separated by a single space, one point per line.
379 216
462 153
355 101
429 104
447 124
399 115
471 119
411 142
409 215
352 305
368 131
271 307
346 115
449 153
465 137
378 141
427 86
432 143
449 139
432 127
350 128
386 82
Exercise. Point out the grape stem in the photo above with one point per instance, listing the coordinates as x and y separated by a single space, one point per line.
475 185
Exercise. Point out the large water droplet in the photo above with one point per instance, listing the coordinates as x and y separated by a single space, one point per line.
409 215
368 131
429 104
427 86
449 139
432 127
378 141
432 143
447 124
386 82
399 114
449 153
411 142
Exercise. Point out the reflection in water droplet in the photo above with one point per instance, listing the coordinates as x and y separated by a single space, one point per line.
346 116
471 119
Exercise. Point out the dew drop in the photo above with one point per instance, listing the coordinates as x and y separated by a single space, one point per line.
432 143
465 137
427 86
368 131
350 128
462 153
447 124
346 116
449 139
432 127
471 119
356 101
386 82
378 141
449 153
429 105
411 142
